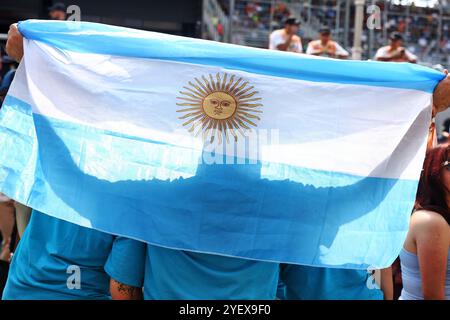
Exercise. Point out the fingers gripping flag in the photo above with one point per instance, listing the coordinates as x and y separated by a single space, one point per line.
216 148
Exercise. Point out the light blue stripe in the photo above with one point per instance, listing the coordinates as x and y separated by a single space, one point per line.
104 39
223 209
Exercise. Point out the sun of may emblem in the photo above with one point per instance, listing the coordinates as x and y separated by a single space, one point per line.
220 107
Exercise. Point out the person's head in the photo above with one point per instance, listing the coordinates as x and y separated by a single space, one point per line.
434 184
57 11
395 40
325 34
292 25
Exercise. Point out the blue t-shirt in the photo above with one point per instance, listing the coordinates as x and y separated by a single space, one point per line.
175 274
54 254
313 283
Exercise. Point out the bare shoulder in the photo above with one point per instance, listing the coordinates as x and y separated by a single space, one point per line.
430 222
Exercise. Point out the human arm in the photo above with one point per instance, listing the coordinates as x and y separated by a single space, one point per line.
126 267
120 291
340 52
389 58
387 283
6 226
14 44
385 54
441 95
381 55
314 49
409 56
280 43
431 236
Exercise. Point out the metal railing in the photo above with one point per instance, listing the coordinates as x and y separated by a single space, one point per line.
215 21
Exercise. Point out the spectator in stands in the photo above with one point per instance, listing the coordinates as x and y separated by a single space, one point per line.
395 52
425 257
286 39
57 11
326 47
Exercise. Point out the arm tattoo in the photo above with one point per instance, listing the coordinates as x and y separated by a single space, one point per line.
126 290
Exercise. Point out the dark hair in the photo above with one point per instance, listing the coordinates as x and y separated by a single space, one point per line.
291 21
431 192
58 6
324 30
395 36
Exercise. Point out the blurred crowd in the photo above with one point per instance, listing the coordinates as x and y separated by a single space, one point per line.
420 26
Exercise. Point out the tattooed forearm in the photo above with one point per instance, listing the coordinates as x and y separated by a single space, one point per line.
123 291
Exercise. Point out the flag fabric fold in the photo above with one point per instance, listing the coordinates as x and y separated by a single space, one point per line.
216 148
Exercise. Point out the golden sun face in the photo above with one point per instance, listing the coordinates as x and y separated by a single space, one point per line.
219 105
219 108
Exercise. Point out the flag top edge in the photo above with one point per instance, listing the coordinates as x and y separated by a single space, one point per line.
88 37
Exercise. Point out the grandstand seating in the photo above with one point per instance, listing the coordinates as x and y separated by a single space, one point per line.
426 30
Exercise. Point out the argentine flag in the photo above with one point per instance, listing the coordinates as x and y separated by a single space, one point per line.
216 148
